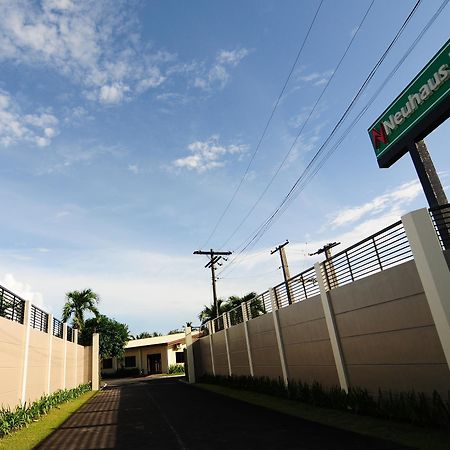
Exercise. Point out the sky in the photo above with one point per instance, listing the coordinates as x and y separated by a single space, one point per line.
126 129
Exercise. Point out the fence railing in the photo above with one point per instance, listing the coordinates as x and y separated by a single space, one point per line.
380 251
12 306
38 319
70 334
440 216
57 328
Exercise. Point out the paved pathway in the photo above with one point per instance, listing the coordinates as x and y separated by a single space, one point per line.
167 414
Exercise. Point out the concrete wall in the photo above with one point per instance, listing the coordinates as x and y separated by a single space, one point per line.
383 324
27 375
387 334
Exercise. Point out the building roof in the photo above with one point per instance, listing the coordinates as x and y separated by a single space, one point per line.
158 340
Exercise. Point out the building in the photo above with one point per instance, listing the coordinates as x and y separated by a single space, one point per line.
150 355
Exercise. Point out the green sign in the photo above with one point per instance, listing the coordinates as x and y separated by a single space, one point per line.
405 118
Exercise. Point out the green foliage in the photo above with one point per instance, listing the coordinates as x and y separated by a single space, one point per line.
411 407
176 368
113 335
77 304
22 416
175 331
209 312
147 334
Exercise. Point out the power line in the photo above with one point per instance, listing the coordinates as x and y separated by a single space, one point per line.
286 156
264 226
227 207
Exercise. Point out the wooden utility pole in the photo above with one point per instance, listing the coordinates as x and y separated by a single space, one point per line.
428 176
332 279
214 258
285 267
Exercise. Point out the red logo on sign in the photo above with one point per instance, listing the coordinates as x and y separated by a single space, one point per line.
378 136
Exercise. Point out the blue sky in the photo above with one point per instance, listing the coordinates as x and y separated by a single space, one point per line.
125 128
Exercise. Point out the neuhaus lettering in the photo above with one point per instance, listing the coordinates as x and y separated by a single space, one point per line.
415 100
421 107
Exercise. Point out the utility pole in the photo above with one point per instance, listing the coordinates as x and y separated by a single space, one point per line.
332 280
285 267
214 258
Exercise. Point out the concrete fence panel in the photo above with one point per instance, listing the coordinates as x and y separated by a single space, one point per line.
37 365
307 346
238 350
264 347
12 339
388 336
220 353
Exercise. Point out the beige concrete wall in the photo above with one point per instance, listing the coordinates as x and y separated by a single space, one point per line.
220 353
307 346
387 334
384 327
57 364
12 338
264 348
13 364
71 364
238 350
202 357
37 377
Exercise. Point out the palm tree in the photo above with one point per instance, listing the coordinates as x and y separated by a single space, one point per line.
77 303
209 312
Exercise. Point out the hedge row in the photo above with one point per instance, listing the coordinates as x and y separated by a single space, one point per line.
21 416
413 407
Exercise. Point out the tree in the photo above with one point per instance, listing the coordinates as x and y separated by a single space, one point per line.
209 312
146 334
113 335
77 303
175 331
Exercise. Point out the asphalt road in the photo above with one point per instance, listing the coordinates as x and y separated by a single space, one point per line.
167 414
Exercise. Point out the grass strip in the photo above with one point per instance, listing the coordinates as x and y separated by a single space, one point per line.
28 438
404 434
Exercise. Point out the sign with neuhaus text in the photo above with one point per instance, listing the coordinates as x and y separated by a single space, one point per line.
422 106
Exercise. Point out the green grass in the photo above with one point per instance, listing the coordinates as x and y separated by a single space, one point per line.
28 438
405 434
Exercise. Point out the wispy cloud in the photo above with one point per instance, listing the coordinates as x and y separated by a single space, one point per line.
393 200
15 126
217 76
86 42
207 155
315 78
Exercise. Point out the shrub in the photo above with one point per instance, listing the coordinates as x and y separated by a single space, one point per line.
412 407
22 415
176 368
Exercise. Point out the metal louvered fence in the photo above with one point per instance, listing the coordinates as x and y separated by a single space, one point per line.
12 307
380 251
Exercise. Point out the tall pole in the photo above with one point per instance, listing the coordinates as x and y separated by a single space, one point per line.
285 267
431 185
214 258
427 174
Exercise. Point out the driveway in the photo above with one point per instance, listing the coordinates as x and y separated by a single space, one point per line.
167 414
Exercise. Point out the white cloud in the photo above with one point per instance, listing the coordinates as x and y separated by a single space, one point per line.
89 42
134 168
218 75
207 155
316 78
392 200
15 127
22 290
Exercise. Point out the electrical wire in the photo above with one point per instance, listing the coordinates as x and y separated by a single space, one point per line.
300 132
257 234
227 207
